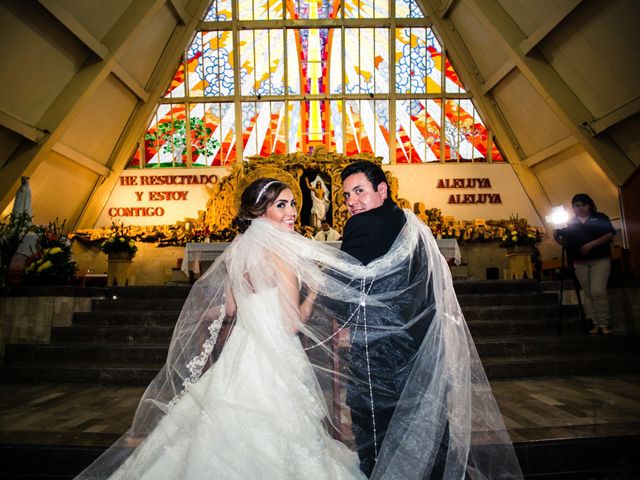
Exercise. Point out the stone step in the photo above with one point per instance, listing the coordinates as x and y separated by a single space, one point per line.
522 328
133 355
34 354
60 456
137 304
161 334
503 286
158 292
518 312
99 374
125 318
497 299
132 335
560 365
496 368
569 344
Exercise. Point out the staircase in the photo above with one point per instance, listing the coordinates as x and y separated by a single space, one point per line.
515 327
124 340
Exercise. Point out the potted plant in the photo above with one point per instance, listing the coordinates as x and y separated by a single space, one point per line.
120 249
13 228
519 236
52 263
520 240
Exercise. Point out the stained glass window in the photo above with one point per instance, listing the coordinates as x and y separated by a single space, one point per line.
289 76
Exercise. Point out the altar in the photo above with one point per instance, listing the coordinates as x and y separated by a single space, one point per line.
199 256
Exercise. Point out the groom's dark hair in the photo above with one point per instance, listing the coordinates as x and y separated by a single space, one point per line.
374 172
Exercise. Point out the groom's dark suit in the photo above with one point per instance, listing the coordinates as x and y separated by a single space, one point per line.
387 355
369 235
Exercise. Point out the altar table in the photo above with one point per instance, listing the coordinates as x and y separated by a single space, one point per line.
199 256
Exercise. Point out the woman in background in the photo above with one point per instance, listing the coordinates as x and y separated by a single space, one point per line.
587 239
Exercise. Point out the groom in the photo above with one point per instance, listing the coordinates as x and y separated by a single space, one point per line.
385 356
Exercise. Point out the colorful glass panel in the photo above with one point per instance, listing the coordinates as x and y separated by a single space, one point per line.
452 81
366 60
334 67
312 9
136 159
176 88
210 64
262 62
301 66
263 128
313 54
418 131
166 138
294 131
294 73
220 11
212 134
261 9
418 61
367 127
496 155
464 131
408 9
366 9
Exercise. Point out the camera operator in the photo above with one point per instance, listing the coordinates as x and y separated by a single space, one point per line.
587 241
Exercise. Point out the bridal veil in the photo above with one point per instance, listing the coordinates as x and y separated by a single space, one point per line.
446 394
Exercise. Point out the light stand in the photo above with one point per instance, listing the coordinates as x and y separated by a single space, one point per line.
559 218
573 279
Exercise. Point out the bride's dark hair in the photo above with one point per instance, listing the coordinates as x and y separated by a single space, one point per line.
255 200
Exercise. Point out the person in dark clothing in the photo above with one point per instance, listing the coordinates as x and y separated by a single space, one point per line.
381 357
587 239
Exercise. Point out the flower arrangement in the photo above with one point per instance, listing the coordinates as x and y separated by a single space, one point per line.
519 233
52 262
200 235
13 228
119 242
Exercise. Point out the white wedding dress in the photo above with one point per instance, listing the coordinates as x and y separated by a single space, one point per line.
258 413
257 410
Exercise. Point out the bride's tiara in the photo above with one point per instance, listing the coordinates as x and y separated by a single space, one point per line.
263 189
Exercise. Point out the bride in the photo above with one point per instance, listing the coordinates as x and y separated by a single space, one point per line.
255 381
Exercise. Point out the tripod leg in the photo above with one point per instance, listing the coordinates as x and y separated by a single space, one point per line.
577 288
559 326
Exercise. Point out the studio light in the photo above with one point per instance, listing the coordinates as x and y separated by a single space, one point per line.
558 217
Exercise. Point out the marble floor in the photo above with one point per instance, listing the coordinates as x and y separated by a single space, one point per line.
533 409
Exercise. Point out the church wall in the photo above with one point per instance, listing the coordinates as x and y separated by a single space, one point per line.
494 193
29 319
151 265
39 58
488 56
73 184
9 142
184 200
145 47
573 171
592 56
418 183
529 15
530 118
627 135
99 123
96 16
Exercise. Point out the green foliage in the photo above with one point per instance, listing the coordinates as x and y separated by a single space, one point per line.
13 228
519 232
171 137
52 263
119 242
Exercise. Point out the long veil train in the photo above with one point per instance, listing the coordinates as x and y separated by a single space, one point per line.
242 371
